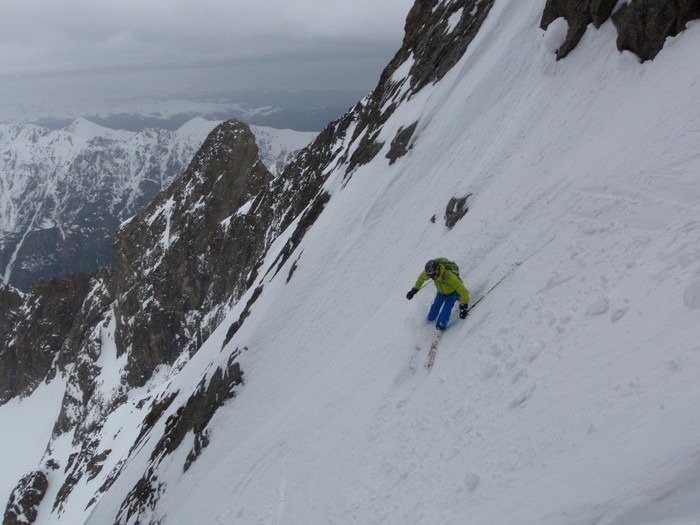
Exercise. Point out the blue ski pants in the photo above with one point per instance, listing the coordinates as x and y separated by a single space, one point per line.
442 308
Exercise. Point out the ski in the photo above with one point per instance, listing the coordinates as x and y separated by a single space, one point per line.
432 352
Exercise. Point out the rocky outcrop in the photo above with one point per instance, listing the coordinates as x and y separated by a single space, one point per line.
456 209
437 34
194 417
401 143
642 25
25 499
579 14
39 331
10 302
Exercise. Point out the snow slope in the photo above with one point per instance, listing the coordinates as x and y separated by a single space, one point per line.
27 428
569 394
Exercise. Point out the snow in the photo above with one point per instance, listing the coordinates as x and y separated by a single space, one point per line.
197 128
278 146
555 35
27 426
454 19
568 396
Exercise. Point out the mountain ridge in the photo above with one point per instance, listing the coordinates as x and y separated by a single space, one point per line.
65 192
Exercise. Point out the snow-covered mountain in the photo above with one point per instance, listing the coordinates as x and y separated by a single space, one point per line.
247 359
65 192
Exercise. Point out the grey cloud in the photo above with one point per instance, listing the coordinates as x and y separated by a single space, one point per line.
77 52
77 34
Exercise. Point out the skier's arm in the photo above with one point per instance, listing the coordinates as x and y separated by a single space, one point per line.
421 279
456 283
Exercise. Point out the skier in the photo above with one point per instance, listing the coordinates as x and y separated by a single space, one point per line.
445 275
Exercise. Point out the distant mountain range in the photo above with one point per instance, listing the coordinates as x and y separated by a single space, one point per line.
300 111
64 192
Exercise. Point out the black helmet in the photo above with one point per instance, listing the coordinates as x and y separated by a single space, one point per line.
432 269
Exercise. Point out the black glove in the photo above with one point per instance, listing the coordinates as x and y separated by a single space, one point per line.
411 293
463 311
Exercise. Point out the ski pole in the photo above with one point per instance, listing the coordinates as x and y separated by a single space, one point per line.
426 284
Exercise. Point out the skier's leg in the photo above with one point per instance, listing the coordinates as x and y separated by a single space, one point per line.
449 302
435 308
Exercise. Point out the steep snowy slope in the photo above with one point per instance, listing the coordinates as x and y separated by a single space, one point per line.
569 394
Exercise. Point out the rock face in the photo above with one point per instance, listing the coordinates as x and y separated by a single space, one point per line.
178 258
23 506
642 25
10 302
437 35
198 246
38 332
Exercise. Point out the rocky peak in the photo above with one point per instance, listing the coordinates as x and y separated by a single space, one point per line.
179 257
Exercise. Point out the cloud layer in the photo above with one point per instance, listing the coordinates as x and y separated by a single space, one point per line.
39 37
76 57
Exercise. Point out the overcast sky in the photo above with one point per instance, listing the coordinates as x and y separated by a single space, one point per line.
60 52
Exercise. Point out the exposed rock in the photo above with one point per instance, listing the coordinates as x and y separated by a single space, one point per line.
39 332
188 251
79 354
84 462
456 209
435 46
158 407
579 14
192 417
305 222
244 314
642 25
10 303
431 47
25 499
82 338
400 144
